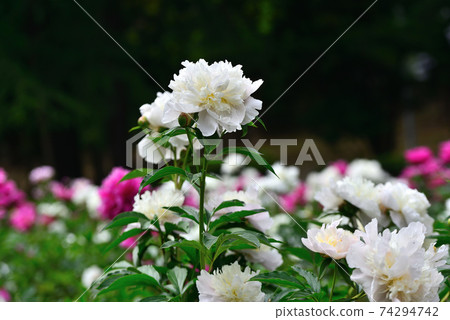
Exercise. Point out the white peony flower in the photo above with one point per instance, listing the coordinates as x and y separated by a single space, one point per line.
268 257
153 152
232 163
152 203
328 199
261 221
364 195
330 240
394 266
287 180
229 285
90 275
53 209
405 205
153 112
219 93
316 181
366 169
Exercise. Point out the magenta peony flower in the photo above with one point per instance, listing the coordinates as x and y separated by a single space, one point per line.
23 216
9 193
117 196
41 174
60 191
431 166
444 152
297 197
4 295
418 155
341 165
129 243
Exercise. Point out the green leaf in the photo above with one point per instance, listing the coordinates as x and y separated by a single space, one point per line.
150 271
159 174
122 237
252 153
234 217
126 218
228 204
139 173
312 280
131 280
177 276
249 236
209 240
279 278
185 212
325 263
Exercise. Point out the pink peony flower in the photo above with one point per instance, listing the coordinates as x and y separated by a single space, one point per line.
60 191
418 155
23 217
3 176
431 166
129 243
444 152
10 194
41 174
4 295
117 196
341 165
410 172
297 197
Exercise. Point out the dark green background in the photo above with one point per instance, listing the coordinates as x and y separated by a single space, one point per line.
68 93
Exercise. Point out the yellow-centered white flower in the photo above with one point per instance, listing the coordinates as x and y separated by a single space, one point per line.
229 285
394 266
219 93
152 203
330 240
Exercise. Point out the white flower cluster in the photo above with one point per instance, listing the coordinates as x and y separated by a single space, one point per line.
218 96
395 266
395 200
152 204
231 284
219 93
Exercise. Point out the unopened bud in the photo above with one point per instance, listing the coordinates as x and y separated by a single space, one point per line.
185 120
143 122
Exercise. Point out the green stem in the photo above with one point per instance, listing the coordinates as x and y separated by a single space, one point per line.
334 282
201 212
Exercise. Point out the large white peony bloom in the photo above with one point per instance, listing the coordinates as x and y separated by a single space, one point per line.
153 152
405 205
268 257
219 93
328 199
394 266
364 195
316 181
366 169
261 221
152 203
229 285
330 240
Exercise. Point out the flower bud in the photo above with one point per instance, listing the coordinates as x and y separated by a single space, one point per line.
185 120
143 122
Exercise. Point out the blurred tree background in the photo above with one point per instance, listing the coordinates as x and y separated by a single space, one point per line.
68 94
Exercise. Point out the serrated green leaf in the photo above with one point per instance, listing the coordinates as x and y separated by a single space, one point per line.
312 280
